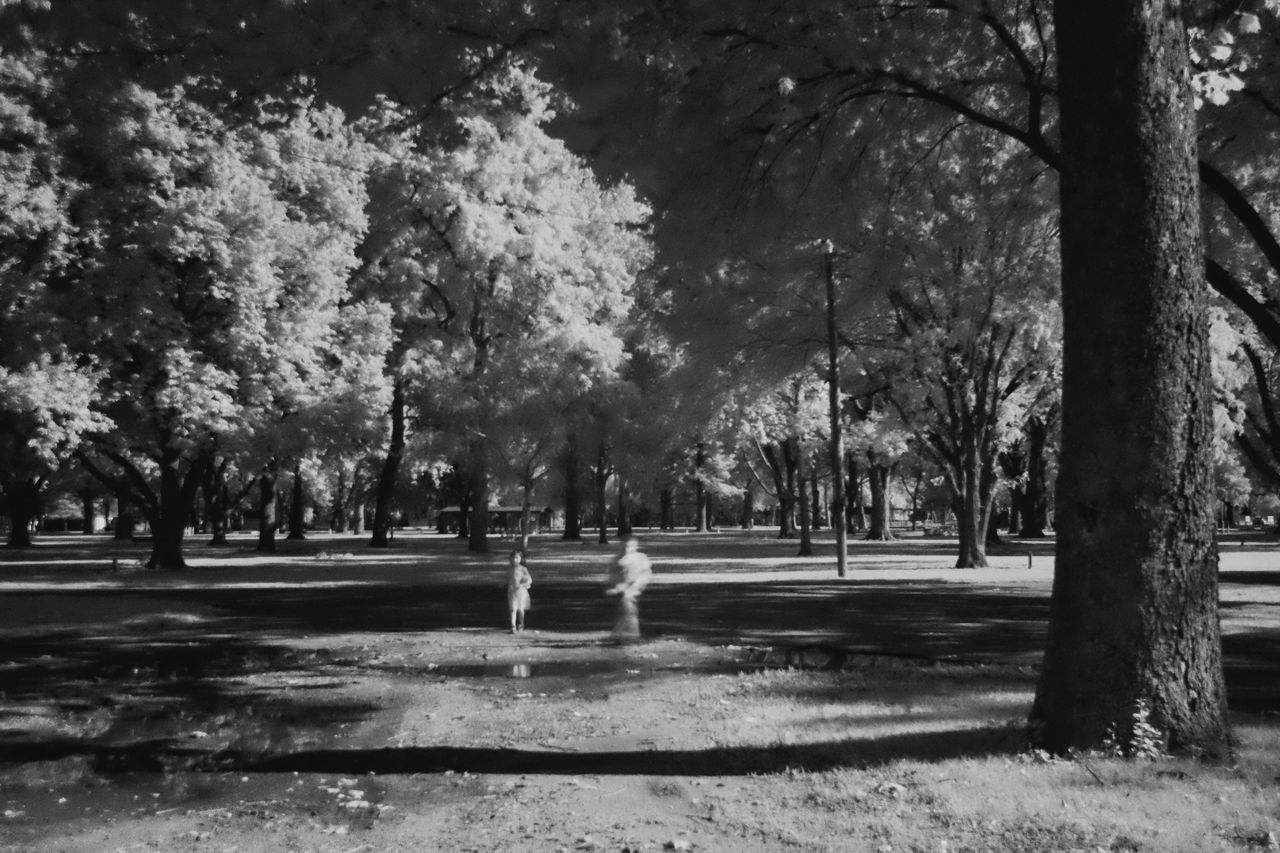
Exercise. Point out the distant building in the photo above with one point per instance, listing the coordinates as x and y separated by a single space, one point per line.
502 519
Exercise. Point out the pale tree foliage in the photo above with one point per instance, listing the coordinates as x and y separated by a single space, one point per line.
880 439
47 408
531 263
214 262
44 392
786 426
976 348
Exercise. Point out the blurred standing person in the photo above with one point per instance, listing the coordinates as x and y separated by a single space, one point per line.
628 577
518 583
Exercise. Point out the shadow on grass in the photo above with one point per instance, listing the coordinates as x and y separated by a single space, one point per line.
921 619
717 761
159 756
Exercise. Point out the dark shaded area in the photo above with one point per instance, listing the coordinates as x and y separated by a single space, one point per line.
933 620
721 761
159 756
157 679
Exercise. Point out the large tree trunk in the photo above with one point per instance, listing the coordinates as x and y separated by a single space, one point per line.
971 513
297 506
1134 611
169 524
338 515
782 467
1035 503
268 508
624 510
601 481
701 523
478 486
126 523
806 526
217 501
22 497
572 491
667 508
747 517
88 505
386 491
878 476
855 511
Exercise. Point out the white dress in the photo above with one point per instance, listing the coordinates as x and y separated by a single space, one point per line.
518 588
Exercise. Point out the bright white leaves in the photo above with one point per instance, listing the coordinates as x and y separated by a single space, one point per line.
510 268
553 254
52 400
218 257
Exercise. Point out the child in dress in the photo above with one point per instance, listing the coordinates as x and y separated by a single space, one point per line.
518 583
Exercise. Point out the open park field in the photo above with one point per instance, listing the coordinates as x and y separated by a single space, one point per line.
336 698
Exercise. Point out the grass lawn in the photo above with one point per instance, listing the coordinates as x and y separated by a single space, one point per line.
336 698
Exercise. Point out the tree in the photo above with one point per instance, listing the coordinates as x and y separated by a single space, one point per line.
1134 609
534 260
975 349
214 260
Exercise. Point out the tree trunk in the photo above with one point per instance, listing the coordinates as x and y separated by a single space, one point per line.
806 526
783 489
297 506
384 497
815 503
169 524
1017 497
701 523
338 516
217 501
478 486
878 476
126 523
601 481
747 520
1035 503
572 491
22 495
88 506
1134 610
526 512
856 515
971 514
667 508
624 510
268 508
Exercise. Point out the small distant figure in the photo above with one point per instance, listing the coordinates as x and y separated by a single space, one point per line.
518 583
628 577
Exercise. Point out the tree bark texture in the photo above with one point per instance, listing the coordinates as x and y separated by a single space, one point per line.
1134 612
601 481
384 497
297 506
22 499
572 491
478 486
1034 510
667 508
169 516
878 476
268 508
702 522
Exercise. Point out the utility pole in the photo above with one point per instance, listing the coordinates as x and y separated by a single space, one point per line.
833 400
